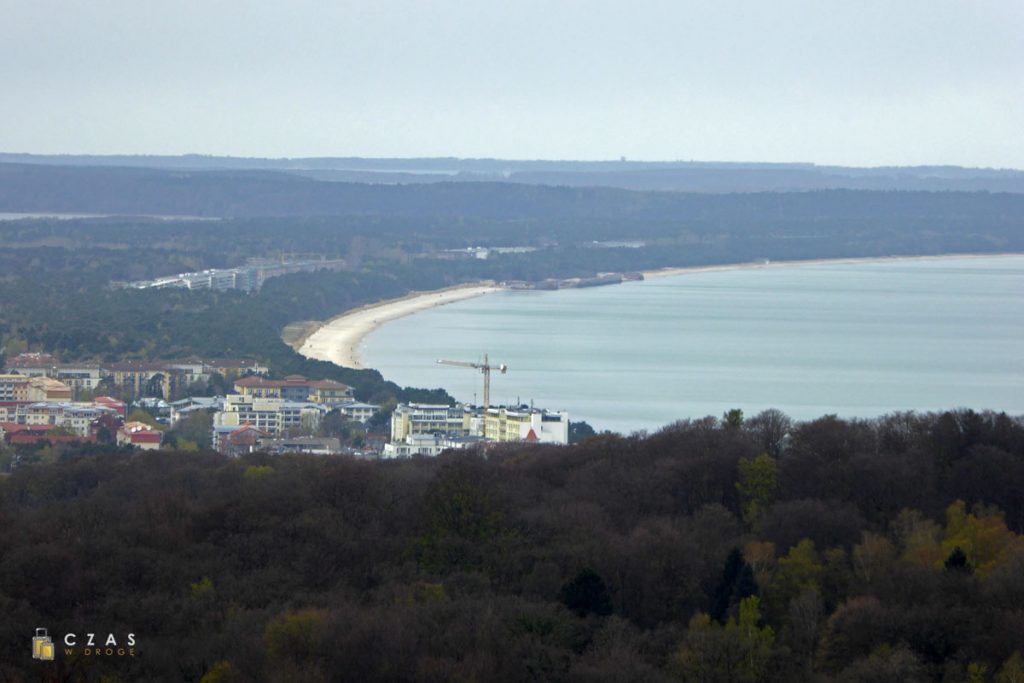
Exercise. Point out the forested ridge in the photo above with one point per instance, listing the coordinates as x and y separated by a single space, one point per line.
712 550
679 176
257 193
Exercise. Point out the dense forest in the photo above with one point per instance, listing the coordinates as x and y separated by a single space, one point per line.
713 550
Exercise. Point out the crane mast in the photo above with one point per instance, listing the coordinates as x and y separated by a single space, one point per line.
485 368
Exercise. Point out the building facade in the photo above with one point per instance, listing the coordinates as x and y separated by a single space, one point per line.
295 388
139 435
425 418
247 278
428 444
77 418
17 387
356 411
276 416
421 429
78 376
310 445
505 425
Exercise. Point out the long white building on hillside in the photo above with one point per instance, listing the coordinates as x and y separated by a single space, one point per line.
425 429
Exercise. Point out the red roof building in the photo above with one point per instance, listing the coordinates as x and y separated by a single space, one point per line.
30 435
9 429
112 403
139 435
244 439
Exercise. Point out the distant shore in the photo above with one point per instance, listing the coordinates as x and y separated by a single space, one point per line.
750 265
338 340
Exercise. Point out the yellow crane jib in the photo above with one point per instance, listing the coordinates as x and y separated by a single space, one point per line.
484 368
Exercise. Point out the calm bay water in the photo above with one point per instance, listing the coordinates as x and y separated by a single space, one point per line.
858 340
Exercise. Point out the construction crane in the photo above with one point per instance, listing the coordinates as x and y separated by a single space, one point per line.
485 368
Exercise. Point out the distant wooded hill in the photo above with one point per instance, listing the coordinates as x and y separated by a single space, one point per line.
679 176
241 193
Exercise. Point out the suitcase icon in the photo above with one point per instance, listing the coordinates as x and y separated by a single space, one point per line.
42 646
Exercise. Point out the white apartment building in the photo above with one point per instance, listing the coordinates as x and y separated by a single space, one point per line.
272 415
186 406
425 418
79 377
525 424
75 417
419 429
356 411
311 445
427 444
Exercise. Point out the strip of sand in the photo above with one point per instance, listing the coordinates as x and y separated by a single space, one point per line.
750 265
338 339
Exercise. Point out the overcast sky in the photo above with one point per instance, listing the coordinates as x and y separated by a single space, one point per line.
858 82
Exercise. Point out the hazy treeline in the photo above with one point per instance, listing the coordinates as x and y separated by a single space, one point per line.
28 188
679 176
713 550
797 178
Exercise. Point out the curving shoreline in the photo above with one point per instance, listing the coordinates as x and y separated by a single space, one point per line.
338 340
753 265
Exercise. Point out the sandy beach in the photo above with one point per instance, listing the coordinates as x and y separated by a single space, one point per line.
338 340
751 265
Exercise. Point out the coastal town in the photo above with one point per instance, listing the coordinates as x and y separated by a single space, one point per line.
512 342
44 402
238 405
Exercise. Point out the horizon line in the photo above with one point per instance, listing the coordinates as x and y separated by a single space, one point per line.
525 160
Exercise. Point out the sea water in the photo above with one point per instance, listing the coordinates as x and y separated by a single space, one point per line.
856 339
